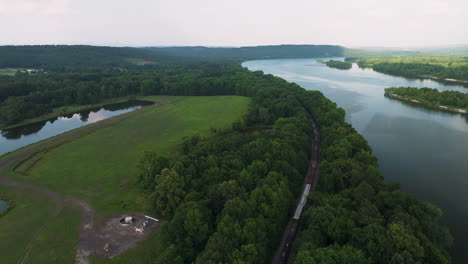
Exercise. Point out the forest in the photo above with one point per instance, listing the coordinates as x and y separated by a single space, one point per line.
228 195
342 65
432 97
436 67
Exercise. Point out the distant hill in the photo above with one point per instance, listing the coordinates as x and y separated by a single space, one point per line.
55 57
256 52
72 57
379 52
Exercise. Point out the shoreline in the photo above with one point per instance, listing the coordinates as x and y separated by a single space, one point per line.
448 79
416 102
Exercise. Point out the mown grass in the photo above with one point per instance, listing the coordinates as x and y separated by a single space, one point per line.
20 225
56 242
8 71
100 168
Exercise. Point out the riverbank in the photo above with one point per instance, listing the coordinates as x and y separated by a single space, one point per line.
414 101
67 110
448 80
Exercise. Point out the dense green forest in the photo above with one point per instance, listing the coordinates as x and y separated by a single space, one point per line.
227 196
342 65
437 67
432 97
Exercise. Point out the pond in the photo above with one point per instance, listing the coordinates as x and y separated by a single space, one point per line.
3 205
423 149
12 139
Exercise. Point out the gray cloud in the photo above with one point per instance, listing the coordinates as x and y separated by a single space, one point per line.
234 23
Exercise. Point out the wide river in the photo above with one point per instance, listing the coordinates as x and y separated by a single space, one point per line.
424 150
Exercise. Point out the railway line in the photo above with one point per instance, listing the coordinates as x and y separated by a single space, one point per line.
282 255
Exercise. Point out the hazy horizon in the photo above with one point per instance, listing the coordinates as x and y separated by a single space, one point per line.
358 23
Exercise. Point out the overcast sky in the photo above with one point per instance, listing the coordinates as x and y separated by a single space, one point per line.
234 22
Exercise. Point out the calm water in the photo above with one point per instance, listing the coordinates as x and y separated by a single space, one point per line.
3 205
425 150
22 136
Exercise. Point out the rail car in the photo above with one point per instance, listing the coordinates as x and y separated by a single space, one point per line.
302 203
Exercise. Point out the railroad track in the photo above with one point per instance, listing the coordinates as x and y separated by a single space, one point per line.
282 255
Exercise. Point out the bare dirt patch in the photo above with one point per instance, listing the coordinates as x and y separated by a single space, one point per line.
113 239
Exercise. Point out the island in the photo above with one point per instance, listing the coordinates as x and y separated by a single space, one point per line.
451 101
342 65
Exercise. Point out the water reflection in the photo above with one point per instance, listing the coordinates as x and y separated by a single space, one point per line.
15 138
3 205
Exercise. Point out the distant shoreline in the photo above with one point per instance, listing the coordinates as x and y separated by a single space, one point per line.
448 80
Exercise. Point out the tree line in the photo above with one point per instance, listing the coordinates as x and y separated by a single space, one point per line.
432 97
436 67
423 70
342 65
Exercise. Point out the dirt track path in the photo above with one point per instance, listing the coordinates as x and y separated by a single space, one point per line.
88 214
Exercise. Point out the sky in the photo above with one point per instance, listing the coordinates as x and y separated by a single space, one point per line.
351 23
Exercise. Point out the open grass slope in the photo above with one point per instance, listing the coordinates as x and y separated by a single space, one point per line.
100 168
37 230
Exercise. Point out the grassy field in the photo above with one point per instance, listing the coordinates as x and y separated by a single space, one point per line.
100 169
445 61
19 225
8 71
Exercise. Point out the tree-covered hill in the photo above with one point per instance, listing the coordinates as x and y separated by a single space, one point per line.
61 57
78 57
257 52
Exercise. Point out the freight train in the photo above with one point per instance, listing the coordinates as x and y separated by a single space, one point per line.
310 181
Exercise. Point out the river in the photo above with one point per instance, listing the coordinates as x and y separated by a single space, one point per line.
16 138
423 149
